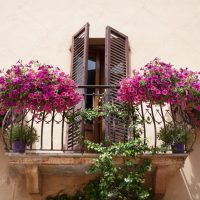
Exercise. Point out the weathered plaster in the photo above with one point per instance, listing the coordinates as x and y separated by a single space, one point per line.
42 30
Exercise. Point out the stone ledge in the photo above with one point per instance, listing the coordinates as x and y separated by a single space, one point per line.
86 158
33 165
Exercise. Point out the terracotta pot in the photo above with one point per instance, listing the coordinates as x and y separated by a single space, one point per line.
178 148
19 146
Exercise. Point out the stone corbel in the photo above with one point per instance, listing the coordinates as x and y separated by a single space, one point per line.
33 179
162 175
160 182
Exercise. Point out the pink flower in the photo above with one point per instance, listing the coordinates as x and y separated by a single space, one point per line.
37 87
164 92
198 107
158 91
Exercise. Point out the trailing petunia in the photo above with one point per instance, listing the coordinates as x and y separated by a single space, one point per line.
160 83
38 88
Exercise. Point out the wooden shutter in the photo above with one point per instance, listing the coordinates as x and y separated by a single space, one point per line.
79 49
116 68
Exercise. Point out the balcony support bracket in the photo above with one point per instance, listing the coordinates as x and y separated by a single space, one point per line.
33 179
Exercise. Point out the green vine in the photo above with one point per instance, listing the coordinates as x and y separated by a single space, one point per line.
125 181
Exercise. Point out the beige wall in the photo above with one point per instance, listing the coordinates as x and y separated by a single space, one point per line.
13 184
169 29
185 185
42 29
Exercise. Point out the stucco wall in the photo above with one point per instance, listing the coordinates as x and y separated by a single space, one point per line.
33 29
13 184
185 185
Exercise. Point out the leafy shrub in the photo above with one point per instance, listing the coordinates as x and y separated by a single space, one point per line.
23 133
175 133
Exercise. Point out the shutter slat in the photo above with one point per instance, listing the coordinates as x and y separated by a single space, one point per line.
115 43
115 70
116 62
118 54
79 43
118 39
78 56
79 49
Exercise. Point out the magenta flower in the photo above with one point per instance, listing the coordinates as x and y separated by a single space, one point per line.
37 87
164 92
155 78
158 91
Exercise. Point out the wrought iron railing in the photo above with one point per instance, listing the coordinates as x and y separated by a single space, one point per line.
53 130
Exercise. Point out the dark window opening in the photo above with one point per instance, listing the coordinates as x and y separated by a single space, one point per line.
95 69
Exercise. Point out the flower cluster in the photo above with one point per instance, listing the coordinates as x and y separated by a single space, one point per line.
155 83
37 87
160 83
189 89
133 90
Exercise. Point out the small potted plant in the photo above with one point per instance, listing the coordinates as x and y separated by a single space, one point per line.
177 135
22 136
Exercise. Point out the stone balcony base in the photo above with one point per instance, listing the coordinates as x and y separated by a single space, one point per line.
35 165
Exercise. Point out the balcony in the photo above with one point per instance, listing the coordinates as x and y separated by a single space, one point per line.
59 151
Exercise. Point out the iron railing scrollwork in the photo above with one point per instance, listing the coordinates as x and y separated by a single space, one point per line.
53 129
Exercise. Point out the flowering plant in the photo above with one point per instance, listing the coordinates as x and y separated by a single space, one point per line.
54 90
155 83
160 83
37 87
189 92
189 89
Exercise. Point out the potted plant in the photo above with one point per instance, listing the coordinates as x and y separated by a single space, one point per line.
22 136
177 135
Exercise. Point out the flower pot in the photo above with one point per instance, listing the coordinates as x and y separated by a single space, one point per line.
178 148
19 146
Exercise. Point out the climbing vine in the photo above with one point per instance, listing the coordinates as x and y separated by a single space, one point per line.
125 181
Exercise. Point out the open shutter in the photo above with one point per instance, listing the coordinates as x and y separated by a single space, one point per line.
116 68
80 42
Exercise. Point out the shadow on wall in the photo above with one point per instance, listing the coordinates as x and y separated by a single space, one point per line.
185 185
12 185
53 185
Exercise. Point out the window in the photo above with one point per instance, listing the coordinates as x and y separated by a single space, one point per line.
100 61
95 69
